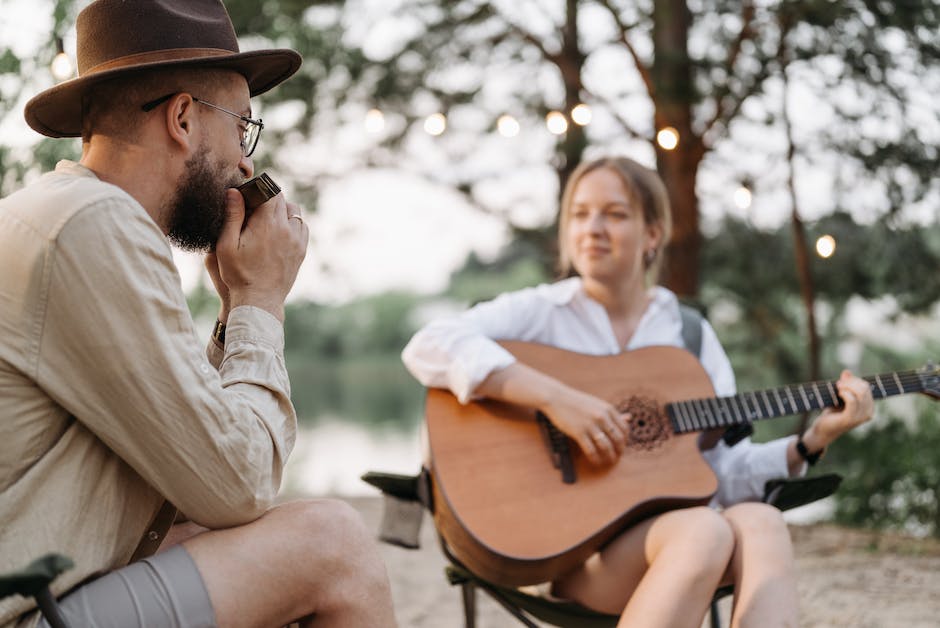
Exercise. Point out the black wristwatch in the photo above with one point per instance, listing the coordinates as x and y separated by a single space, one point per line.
218 332
810 458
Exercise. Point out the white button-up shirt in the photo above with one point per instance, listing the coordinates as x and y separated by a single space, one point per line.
459 352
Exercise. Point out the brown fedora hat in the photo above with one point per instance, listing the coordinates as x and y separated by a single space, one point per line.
118 37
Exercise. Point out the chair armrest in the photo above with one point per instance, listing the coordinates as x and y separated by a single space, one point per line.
35 577
787 493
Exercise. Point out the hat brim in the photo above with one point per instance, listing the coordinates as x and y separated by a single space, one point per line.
57 111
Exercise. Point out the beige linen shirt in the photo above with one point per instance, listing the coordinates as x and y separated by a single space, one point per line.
108 403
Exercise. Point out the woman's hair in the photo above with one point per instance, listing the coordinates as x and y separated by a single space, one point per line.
646 188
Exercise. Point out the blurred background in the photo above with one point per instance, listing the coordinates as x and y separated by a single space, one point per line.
428 142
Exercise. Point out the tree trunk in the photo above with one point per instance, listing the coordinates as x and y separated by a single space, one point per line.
673 97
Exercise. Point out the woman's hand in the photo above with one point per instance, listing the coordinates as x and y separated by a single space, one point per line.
598 428
858 406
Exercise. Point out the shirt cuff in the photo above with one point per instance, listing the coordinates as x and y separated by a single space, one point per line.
252 324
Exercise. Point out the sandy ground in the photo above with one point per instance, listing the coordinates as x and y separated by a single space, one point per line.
847 578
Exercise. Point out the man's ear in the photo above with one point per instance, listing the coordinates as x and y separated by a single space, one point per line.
181 121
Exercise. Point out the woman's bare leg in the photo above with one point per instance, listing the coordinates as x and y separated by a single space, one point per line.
660 573
762 568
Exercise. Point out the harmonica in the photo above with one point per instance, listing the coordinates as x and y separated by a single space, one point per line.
258 190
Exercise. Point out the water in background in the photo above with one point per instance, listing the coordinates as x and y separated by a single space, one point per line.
331 454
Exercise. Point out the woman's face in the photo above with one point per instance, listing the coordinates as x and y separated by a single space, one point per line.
607 234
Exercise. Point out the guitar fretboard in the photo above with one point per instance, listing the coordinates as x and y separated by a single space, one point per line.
702 414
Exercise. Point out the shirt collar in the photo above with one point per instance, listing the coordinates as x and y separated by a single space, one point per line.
67 166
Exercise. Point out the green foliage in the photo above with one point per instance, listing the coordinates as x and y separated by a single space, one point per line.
481 281
892 474
344 360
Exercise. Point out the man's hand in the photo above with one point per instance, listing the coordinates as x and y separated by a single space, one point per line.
257 264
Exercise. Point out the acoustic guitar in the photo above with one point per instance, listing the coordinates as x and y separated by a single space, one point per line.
517 502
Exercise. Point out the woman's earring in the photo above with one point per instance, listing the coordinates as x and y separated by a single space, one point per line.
649 257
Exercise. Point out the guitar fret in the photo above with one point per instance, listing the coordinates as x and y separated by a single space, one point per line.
770 409
819 398
897 380
694 419
780 406
699 418
881 386
713 414
737 411
747 411
758 413
806 404
705 413
685 417
792 399
833 394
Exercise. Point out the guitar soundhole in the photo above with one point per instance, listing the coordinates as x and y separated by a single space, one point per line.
648 424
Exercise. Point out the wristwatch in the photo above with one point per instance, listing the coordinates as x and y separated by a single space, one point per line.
218 332
810 458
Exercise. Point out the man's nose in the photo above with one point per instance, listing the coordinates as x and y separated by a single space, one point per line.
246 167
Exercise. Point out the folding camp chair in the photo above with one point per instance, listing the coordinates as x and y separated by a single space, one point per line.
34 580
406 497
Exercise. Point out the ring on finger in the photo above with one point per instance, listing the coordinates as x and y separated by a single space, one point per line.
297 216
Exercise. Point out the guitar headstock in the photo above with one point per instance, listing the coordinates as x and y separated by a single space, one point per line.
930 379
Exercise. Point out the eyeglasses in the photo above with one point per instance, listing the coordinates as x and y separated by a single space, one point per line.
252 129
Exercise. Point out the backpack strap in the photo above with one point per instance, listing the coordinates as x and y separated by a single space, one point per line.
692 339
691 329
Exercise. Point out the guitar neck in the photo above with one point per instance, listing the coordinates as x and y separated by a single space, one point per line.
716 412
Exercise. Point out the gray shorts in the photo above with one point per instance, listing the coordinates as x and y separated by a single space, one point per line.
163 591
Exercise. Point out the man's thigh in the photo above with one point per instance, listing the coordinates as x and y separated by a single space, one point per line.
163 591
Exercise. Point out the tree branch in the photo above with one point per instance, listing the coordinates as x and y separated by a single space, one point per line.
623 30
746 33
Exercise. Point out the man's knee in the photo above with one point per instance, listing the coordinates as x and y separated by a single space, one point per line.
331 535
323 524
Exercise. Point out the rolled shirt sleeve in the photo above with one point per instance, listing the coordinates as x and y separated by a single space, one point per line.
119 353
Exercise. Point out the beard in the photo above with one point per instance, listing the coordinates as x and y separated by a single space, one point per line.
197 212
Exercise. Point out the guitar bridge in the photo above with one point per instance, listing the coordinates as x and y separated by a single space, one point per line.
559 448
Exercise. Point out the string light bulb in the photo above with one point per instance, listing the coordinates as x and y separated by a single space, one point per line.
581 114
556 122
825 246
507 126
743 197
375 121
667 138
435 124
61 65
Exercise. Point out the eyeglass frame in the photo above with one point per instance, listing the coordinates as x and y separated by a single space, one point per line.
251 122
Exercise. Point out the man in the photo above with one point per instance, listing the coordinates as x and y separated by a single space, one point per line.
111 417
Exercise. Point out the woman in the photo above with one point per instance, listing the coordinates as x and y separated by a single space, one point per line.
613 227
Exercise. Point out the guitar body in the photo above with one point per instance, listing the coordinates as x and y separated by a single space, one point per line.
502 507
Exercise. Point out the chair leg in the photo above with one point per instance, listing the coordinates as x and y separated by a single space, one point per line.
50 608
714 615
469 594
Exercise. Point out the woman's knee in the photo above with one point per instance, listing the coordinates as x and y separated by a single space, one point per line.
702 535
753 520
